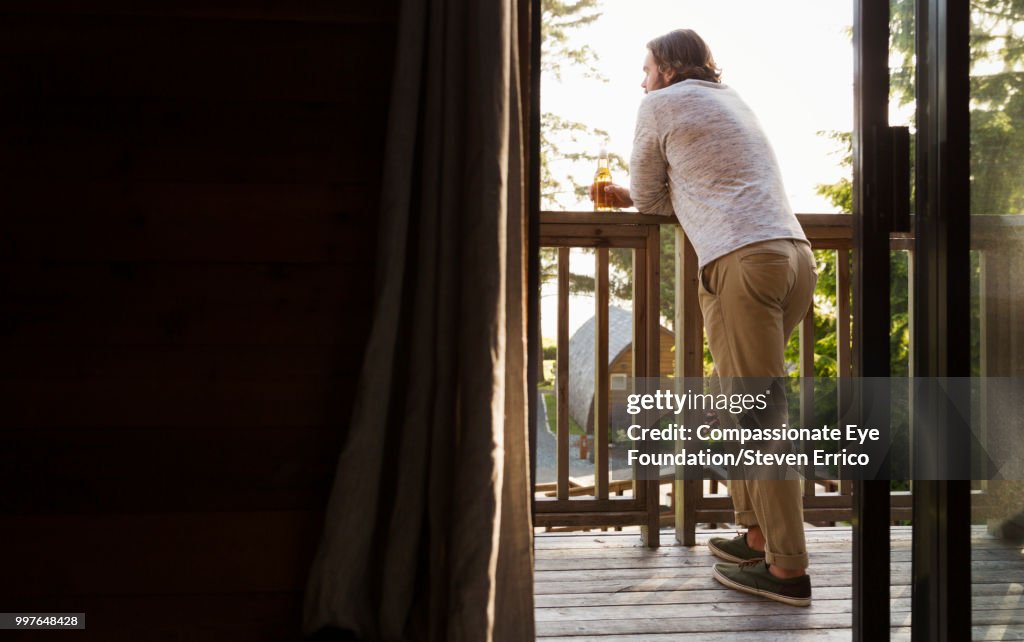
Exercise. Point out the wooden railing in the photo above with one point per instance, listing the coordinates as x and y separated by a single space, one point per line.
641 232
829 503
566 231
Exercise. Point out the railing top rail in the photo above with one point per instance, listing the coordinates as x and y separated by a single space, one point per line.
824 231
636 218
985 228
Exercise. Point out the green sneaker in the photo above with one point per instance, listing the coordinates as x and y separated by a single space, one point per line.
734 550
753 577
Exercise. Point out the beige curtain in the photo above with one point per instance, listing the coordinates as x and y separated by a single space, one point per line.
427 533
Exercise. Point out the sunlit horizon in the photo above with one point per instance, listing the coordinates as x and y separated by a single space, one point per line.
791 61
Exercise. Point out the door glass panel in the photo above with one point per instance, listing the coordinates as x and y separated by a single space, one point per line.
902 107
792 62
997 305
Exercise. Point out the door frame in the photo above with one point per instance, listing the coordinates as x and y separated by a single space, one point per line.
940 345
872 198
940 339
941 574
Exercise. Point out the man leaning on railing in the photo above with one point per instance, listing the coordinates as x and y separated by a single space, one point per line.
699 153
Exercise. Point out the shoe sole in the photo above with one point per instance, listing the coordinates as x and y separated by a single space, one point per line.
728 557
785 599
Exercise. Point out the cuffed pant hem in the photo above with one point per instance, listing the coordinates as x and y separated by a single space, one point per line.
796 562
746 518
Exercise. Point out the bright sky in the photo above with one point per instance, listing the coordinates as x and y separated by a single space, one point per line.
792 61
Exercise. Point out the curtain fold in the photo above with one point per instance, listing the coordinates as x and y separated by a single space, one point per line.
427 533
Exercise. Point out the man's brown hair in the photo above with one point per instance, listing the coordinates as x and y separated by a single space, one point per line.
685 53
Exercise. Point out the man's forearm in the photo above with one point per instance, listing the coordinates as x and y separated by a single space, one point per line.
656 202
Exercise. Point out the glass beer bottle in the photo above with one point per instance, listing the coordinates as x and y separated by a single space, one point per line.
602 178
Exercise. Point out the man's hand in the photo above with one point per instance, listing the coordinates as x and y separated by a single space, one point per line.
616 195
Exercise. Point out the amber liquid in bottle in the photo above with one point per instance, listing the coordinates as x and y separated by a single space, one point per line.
602 178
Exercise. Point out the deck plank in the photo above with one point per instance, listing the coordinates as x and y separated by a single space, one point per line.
810 635
1002 596
607 587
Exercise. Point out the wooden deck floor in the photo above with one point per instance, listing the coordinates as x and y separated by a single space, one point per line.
604 586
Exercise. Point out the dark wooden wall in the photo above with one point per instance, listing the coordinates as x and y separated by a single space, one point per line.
188 207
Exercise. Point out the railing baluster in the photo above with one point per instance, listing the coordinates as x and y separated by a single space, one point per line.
807 392
689 326
651 287
601 406
844 349
640 363
562 378
844 345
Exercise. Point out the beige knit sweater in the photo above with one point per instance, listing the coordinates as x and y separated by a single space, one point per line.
699 153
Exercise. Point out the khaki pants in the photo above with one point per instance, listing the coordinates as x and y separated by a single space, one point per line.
752 299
